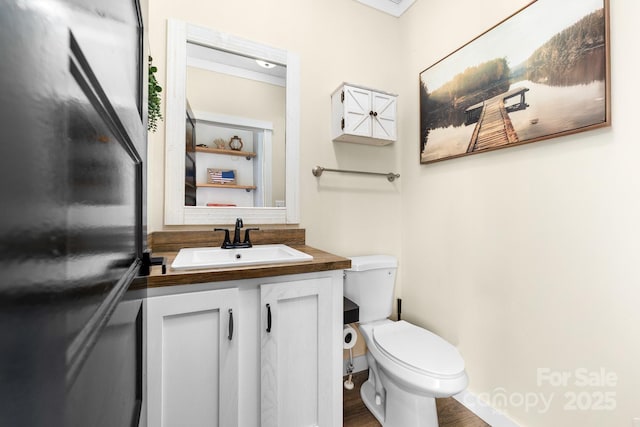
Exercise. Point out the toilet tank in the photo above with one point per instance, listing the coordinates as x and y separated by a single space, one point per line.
369 283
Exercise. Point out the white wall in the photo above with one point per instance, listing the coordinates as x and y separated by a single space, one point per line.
524 258
337 40
528 257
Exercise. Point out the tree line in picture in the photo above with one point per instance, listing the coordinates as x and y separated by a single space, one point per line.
573 56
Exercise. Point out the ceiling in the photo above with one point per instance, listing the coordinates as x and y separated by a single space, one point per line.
392 7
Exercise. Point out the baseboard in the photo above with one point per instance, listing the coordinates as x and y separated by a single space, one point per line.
359 364
491 416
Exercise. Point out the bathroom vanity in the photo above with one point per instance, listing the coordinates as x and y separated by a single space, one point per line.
248 346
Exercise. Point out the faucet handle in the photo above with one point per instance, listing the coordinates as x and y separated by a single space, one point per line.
227 241
247 240
239 223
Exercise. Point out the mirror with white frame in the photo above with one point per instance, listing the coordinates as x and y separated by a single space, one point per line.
192 52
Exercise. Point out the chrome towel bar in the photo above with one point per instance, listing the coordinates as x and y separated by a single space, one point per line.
317 171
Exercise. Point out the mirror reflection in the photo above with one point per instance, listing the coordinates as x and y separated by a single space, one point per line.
235 146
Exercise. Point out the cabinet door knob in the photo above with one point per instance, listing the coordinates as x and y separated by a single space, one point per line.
371 113
375 114
230 324
268 318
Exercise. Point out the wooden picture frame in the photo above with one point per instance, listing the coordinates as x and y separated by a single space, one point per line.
541 73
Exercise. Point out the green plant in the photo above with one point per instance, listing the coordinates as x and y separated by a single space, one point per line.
154 98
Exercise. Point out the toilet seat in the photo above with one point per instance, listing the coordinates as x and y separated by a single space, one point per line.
418 349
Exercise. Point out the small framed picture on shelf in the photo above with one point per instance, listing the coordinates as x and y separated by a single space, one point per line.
221 176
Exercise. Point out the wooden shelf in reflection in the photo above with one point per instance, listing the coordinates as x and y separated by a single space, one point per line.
247 154
233 186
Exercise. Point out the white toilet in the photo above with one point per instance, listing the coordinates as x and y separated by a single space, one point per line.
408 366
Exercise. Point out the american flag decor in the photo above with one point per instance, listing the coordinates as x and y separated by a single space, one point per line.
221 176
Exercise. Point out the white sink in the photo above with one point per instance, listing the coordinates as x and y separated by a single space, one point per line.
191 258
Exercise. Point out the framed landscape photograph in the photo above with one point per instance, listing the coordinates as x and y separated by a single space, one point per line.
541 73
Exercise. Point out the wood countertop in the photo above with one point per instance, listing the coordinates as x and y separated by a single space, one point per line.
167 244
322 261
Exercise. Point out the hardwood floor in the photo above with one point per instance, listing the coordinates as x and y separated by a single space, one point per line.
355 414
451 413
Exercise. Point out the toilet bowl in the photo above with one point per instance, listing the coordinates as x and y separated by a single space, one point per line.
408 366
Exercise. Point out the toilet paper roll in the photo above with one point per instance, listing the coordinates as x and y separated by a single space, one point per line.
349 337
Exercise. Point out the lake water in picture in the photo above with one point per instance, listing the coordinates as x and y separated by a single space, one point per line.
554 109
551 110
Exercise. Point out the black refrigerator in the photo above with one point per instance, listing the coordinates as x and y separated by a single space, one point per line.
73 79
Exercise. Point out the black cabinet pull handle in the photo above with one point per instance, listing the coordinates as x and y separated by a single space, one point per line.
230 324
371 113
268 318
375 114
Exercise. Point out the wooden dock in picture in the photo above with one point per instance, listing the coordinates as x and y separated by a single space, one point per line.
493 128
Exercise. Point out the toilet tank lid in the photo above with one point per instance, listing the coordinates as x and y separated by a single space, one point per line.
372 262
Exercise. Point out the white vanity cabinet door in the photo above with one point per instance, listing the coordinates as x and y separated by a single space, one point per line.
363 115
192 359
301 352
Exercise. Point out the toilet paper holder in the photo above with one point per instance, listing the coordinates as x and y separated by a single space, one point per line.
349 337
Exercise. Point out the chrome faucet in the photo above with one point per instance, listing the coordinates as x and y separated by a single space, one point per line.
246 243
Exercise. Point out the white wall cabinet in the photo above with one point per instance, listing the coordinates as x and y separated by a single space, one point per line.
288 374
192 359
362 115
